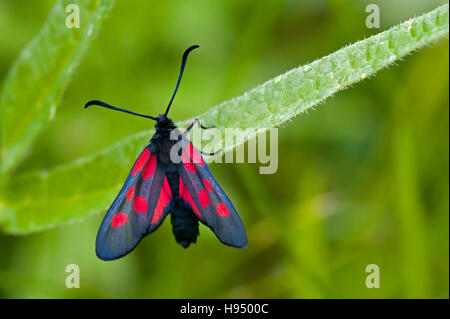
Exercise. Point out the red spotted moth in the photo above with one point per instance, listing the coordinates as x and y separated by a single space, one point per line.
158 186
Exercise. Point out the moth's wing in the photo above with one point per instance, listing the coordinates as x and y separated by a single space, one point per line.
138 209
200 192
164 206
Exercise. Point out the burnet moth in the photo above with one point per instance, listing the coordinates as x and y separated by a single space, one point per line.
157 186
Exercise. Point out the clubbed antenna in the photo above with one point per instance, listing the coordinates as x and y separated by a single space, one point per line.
103 104
183 63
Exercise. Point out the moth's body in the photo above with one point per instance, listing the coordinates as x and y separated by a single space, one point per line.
183 219
158 186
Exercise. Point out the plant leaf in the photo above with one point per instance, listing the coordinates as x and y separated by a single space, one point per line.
38 78
40 200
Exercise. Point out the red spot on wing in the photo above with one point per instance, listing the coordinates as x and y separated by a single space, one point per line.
165 196
186 196
188 163
130 193
207 185
203 198
222 210
141 161
118 220
140 204
195 156
149 168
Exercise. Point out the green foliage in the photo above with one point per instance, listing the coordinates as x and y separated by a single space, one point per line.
40 200
38 78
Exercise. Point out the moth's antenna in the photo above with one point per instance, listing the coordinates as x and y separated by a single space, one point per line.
103 104
183 63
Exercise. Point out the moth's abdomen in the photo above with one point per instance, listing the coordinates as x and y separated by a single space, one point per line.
184 226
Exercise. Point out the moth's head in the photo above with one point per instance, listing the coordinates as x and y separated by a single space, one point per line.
163 123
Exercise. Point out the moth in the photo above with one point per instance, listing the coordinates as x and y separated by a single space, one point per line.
158 186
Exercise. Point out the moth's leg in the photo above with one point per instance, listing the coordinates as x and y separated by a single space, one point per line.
211 154
196 121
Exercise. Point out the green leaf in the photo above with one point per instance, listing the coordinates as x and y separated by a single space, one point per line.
40 200
38 78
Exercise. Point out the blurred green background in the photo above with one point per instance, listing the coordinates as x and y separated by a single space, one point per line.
362 179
